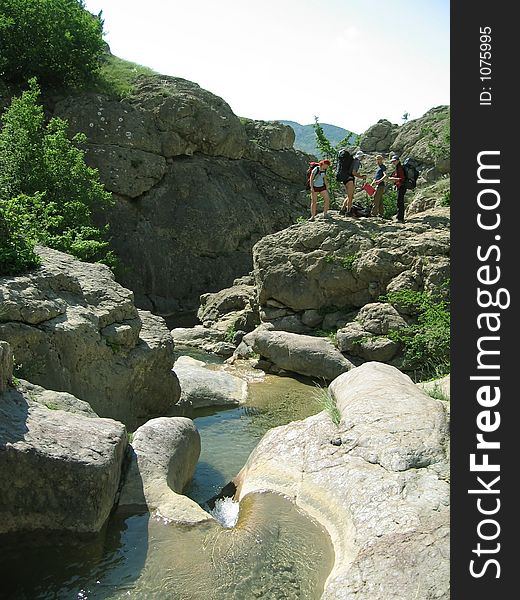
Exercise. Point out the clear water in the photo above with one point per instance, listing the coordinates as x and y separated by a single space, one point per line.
274 552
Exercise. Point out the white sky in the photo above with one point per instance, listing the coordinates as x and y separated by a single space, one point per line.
348 62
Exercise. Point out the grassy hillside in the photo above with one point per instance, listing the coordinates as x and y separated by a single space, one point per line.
305 138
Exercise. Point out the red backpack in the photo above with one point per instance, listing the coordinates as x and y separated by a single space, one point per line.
309 171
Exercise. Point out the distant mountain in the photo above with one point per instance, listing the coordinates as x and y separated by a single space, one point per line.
306 140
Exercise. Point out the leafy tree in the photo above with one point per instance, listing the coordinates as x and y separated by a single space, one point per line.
330 151
57 41
46 188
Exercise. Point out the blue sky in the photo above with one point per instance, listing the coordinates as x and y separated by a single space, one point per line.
350 63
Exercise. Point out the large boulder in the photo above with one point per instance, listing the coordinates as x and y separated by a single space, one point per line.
346 263
207 339
73 328
58 470
379 137
163 459
231 309
378 482
195 188
304 354
427 139
204 386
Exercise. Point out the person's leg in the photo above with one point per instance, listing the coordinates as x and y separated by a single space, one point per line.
326 201
400 203
350 194
377 209
347 203
314 198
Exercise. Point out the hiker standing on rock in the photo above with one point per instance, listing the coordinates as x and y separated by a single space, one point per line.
350 183
379 177
399 179
318 185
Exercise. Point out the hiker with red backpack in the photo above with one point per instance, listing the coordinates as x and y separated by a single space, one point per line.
348 170
318 185
399 179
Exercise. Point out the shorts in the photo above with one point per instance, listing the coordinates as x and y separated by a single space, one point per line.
320 188
349 178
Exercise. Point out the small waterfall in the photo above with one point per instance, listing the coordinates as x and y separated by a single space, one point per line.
226 512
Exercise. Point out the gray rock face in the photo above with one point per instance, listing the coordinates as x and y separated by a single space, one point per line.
346 263
379 137
6 365
73 328
195 188
165 453
270 134
304 354
382 493
58 471
426 139
207 339
233 308
55 400
203 386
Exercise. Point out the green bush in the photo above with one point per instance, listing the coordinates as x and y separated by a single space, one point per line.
426 342
17 235
57 41
389 203
44 181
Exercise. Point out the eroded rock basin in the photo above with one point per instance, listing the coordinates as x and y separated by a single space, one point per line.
274 551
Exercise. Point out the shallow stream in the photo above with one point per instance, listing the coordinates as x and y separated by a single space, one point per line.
275 551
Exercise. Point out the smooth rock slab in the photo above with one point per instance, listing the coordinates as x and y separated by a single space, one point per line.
378 482
58 471
304 354
201 386
165 453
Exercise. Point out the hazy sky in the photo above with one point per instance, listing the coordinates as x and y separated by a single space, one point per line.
348 62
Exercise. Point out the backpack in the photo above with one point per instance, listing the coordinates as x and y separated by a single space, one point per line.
361 211
411 173
312 165
344 165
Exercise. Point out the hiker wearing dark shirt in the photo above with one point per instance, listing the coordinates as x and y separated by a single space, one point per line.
350 184
399 179
378 181
318 183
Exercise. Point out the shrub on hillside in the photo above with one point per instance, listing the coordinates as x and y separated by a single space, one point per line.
57 41
17 236
44 174
426 342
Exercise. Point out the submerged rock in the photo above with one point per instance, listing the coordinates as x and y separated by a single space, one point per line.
382 493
